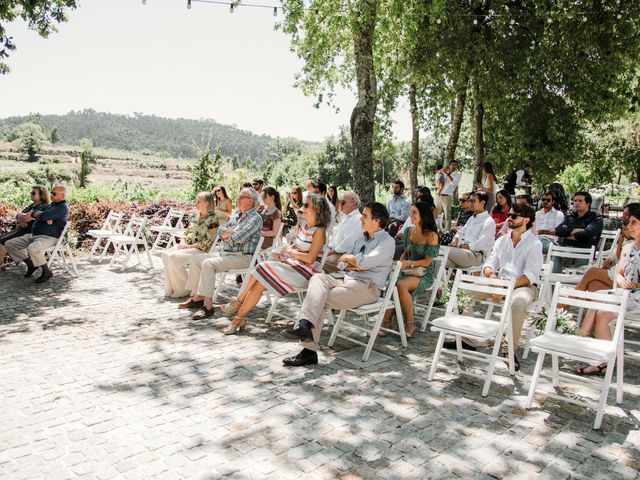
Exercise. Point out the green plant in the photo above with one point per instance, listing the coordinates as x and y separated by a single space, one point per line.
87 160
463 300
575 178
30 139
565 322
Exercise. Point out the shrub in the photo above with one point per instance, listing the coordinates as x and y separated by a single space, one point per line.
575 178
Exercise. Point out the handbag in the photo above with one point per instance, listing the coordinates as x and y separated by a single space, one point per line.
415 272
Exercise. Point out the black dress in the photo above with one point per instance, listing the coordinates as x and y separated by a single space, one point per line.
19 231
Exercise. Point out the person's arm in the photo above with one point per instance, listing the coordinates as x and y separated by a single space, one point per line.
564 228
532 266
492 264
274 231
317 242
405 209
423 262
487 237
252 226
592 231
57 213
376 257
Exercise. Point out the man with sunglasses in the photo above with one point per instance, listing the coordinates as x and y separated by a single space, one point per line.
47 228
547 218
516 255
348 231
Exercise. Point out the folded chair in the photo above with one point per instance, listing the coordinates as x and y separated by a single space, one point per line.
166 233
127 243
111 225
221 276
438 283
61 251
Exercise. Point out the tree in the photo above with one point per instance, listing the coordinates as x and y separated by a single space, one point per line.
55 137
41 15
30 139
86 162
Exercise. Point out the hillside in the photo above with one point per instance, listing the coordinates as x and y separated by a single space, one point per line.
174 137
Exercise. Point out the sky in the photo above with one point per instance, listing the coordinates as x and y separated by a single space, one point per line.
121 56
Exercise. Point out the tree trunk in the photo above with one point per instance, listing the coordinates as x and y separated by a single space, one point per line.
478 134
415 140
456 124
363 115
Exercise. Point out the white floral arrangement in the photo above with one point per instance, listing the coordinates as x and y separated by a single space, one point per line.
464 301
565 322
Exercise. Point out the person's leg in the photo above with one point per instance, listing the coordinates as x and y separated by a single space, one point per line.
251 298
37 247
447 201
195 271
405 287
17 247
331 263
3 253
211 267
459 258
176 273
521 300
603 332
556 265
587 323
250 284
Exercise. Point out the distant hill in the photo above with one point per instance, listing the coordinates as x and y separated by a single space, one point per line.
178 137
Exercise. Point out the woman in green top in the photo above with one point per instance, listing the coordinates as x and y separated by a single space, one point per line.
198 238
223 207
421 246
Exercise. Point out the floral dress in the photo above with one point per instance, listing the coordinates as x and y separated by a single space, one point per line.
420 251
632 273
202 232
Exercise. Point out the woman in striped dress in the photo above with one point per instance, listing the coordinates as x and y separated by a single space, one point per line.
297 264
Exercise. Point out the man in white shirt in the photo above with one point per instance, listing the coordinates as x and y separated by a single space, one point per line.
547 219
445 198
348 231
475 239
517 255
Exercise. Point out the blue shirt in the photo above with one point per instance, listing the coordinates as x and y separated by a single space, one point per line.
58 214
376 255
246 228
399 207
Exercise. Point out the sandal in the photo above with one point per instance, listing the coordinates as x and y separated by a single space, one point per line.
410 329
236 325
231 307
598 369
382 333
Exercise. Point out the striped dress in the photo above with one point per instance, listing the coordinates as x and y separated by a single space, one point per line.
289 275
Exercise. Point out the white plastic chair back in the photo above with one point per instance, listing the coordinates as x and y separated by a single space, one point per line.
602 254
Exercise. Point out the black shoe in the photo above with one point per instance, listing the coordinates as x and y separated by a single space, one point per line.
46 274
203 313
303 330
30 268
305 357
451 345
516 363
239 280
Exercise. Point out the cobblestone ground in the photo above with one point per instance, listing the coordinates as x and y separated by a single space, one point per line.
103 378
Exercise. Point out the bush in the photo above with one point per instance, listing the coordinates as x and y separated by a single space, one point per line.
575 178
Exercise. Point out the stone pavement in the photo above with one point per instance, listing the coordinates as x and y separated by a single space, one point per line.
103 378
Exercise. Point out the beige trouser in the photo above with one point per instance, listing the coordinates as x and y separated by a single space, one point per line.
176 273
522 298
205 268
331 263
31 246
445 202
461 258
325 292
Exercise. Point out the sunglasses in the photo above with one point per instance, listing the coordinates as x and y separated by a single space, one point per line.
33 193
513 216
464 200
547 200
53 194
244 196
305 205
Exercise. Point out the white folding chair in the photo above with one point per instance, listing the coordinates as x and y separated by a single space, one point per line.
110 226
439 282
378 309
61 251
479 329
540 304
277 243
221 276
127 243
602 254
166 233
583 349
630 319
575 253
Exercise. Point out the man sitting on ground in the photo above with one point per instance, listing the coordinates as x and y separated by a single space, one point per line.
547 218
47 228
240 236
475 240
348 231
517 255
398 207
367 267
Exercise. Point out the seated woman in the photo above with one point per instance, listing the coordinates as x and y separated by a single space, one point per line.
500 210
39 201
299 262
199 237
271 216
421 246
223 206
628 278
292 208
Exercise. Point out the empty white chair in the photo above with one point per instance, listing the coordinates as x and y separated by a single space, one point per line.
583 349
607 235
438 283
221 276
110 226
390 300
574 253
479 329
61 252
127 243
166 233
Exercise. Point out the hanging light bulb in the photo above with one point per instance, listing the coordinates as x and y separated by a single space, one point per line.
189 4
275 11
438 21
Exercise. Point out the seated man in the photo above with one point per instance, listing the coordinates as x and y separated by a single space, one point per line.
546 220
240 236
475 239
465 214
398 207
367 266
45 233
348 231
517 255
580 228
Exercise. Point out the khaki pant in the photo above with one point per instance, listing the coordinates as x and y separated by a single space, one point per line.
325 292
461 258
203 270
176 273
521 299
30 246
444 206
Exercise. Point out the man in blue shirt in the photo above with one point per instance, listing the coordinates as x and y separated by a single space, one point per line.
47 228
398 207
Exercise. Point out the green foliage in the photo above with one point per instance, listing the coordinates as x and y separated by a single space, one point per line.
55 136
575 178
565 322
30 139
86 162
207 170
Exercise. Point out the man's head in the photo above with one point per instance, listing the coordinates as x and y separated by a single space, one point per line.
58 193
439 167
350 202
257 184
582 202
478 201
311 186
548 201
321 188
524 199
521 217
374 217
453 166
464 201
398 188
247 199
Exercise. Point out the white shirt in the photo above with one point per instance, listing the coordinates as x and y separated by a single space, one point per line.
548 221
511 262
450 185
333 213
348 231
479 233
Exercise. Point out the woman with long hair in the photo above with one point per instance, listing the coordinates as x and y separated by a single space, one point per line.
271 216
559 197
421 246
488 184
292 208
500 210
297 263
223 206
334 199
